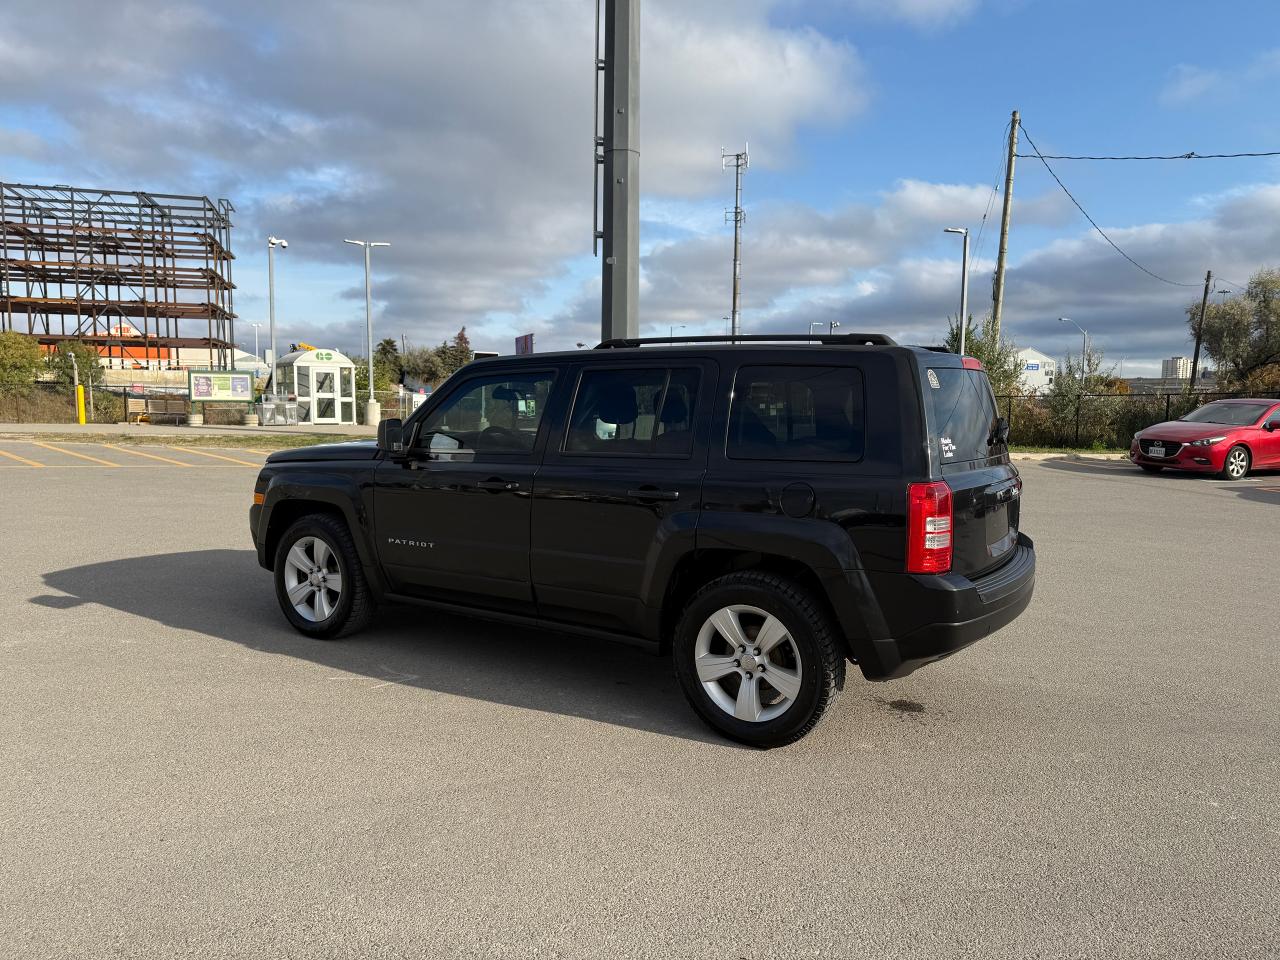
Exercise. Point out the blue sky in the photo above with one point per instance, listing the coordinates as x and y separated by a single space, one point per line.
460 132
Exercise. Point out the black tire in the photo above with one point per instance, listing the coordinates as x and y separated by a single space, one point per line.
1236 464
815 643
354 604
1149 468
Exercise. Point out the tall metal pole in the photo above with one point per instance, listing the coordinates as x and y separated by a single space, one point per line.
739 162
372 409
964 283
620 269
271 312
1195 356
964 293
997 289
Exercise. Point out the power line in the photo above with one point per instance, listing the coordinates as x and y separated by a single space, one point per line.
1192 155
1095 226
991 199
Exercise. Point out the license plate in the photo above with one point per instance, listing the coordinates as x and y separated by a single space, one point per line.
1155 451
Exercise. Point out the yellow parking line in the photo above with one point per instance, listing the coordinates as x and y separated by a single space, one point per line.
176 463
82 456
14 456
216 456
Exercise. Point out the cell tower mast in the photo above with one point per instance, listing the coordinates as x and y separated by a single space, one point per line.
739 162
617 154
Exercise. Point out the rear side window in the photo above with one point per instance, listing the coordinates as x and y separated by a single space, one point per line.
962 413
797 413
634 412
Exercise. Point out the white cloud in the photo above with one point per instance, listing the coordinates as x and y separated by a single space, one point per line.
920 13
1188 83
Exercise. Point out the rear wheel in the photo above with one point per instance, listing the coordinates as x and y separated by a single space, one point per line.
758 658
319 581
1236 465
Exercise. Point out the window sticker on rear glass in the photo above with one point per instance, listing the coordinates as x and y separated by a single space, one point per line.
948 448
933 381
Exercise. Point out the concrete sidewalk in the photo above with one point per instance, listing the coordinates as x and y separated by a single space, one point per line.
148 429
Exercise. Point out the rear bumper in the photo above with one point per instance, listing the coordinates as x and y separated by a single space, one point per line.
955 612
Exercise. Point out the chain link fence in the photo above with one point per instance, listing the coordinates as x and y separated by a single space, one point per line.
1096 420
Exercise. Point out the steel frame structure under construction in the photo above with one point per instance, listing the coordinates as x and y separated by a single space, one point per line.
118 270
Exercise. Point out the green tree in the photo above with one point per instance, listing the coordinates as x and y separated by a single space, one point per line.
456 353
1242 335
20 360
999 354
422 363
386 361
86 360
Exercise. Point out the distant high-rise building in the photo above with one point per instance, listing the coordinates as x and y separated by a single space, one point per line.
1176 368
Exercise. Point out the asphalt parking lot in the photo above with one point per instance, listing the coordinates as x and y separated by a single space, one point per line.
185 776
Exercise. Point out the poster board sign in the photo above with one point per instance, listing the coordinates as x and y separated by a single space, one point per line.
524 344
219 386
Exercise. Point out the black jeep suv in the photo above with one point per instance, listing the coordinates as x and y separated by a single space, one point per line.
762 508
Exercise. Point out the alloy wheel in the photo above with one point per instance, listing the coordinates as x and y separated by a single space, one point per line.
1237 463
313 579
748 663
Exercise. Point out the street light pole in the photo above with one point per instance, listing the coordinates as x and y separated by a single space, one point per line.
372 409
1084 347
816 323
272 243
672 334
964 284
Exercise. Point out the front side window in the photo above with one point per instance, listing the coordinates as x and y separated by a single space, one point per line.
797 413
634 412
488 416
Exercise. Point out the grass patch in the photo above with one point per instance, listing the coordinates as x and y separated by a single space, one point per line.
1089 451
245 441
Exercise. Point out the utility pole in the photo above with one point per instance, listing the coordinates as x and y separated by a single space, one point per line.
1195 356
618 154
997 288
739 162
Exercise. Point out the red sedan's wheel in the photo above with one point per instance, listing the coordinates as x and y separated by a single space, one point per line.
1236 465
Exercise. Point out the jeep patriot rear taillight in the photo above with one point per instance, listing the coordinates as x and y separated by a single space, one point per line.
928 528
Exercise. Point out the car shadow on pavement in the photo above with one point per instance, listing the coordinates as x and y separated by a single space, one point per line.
224 594
1262 486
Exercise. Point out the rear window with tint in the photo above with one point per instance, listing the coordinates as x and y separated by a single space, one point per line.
797 413
962 413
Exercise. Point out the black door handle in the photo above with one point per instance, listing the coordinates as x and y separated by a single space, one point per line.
504 485
653 493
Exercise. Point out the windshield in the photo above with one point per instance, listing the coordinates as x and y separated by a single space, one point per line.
1234 414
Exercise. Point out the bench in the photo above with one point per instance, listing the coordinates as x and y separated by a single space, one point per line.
155 409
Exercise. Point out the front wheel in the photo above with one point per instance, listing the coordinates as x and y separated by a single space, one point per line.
758 658
1236 465
319 581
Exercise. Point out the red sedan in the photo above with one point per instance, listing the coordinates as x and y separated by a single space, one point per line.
1226 437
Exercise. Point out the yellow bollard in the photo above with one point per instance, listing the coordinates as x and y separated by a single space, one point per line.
80 404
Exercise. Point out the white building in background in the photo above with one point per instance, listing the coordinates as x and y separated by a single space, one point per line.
1038 370
1176 368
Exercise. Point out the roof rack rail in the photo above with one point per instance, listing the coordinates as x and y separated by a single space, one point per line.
827 339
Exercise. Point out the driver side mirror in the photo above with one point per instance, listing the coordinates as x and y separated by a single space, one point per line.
391 437
1271 425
